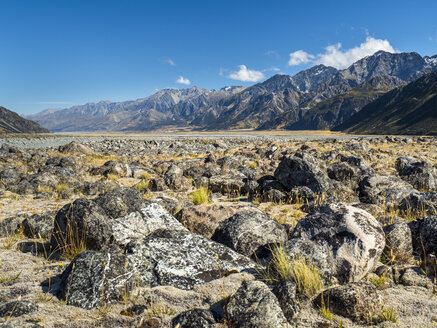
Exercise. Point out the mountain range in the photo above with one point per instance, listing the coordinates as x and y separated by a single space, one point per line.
411 109
317 98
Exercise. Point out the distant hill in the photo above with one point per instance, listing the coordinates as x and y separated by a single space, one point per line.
411 109
11 122
317 98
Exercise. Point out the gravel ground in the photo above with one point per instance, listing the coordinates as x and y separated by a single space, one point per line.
56 140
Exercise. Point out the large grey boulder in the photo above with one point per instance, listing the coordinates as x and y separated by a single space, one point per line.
139 224
249 233
383 190
95 279
121 201
182 259
83 220
345 173
96 223
294 171
408 166
255 306
347 242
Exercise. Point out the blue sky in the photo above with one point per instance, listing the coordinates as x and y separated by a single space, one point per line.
63 53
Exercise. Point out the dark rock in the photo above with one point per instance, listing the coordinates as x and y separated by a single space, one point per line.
38 226
344 173
17 309
398 242
249 233
285 292
196 318
383 190
255 306
302 194
95 279
424 233
409 166
121 201
294 171
157 184
9 177
356 301
83 220
350 236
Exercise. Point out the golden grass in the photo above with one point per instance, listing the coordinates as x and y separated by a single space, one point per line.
200 196
45 189
283 268
61 187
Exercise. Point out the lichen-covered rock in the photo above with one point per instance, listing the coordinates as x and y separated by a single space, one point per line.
139 224
424 233
17 308
344 172
82 220
350 236
398 242
356 301
227 184
383 189
294 171
422 203
38 226
183 259
315 253
255 306
95 279
249 233
85 219
409 166
121 201
197 318
285 292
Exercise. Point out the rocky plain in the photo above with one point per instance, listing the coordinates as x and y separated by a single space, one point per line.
218 231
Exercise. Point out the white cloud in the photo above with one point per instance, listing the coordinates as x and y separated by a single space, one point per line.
170 62
299 57
246 75
183 80
336 57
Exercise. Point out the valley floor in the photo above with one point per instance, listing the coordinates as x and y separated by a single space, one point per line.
216 190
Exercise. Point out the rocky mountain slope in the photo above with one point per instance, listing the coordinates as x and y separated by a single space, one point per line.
411 109
11 122
318 98
166 107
